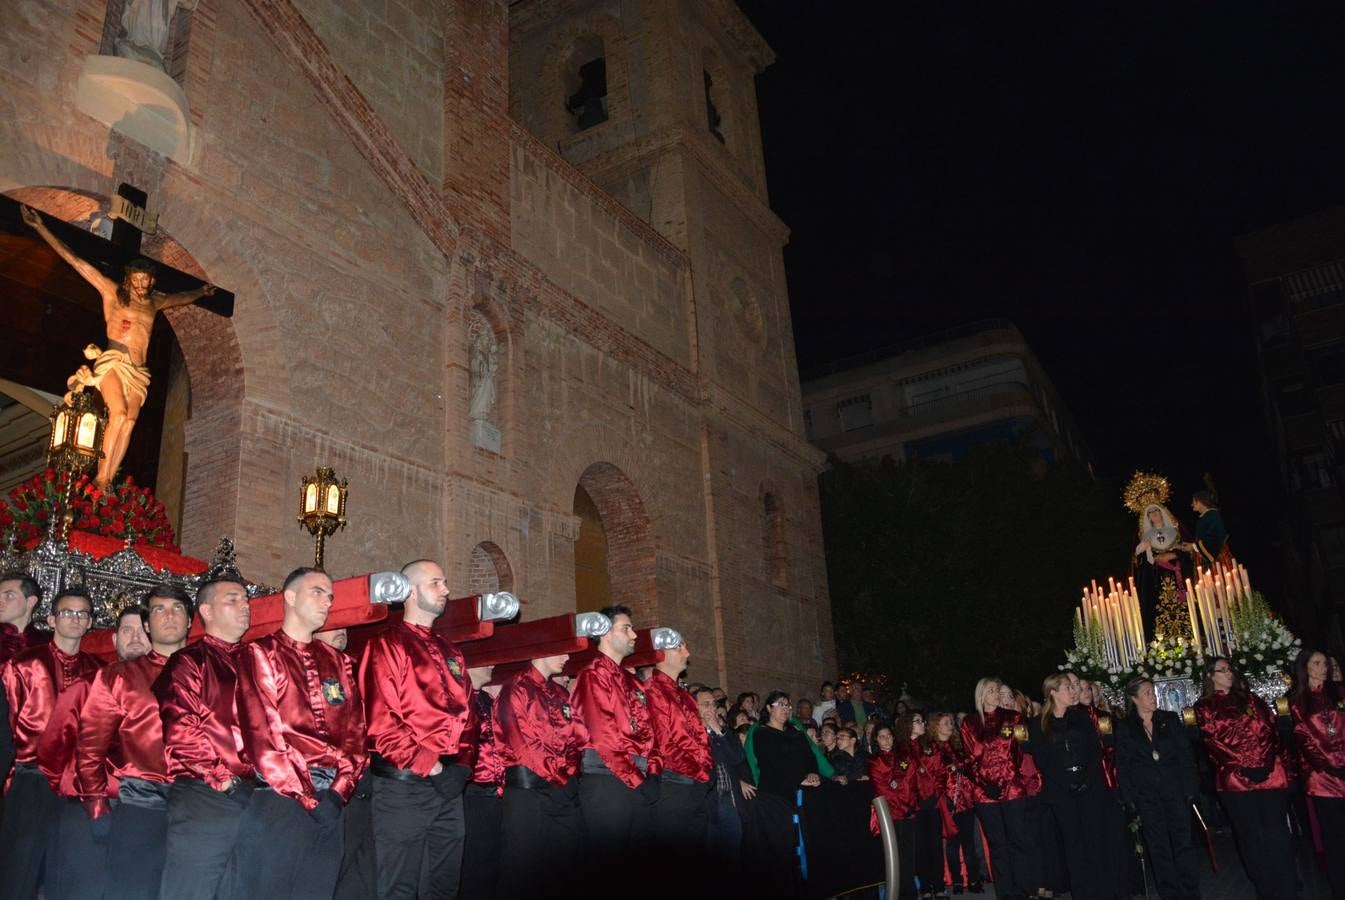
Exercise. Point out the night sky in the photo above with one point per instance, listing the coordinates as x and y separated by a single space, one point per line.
1081 169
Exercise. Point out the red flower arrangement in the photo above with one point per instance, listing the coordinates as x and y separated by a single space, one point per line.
124 510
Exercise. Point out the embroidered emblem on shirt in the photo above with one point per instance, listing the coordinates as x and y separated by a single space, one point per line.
904 765
565 711
639 695
455 668
1006 731
333 692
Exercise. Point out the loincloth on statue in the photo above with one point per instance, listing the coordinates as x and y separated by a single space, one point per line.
134 379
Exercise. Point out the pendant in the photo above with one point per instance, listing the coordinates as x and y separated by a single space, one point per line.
1331 728
1156 756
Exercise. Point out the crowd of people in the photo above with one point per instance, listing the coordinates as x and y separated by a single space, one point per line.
286 767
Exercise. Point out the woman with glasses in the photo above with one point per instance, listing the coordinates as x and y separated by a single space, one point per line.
847 760
782 760
1238 731
964 847
995 760
1318 707
1157 775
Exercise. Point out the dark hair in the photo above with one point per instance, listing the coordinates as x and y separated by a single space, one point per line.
773 697
28 585
135 609
617 609
906 724
1132 691
825 685
831 725
743 696
1239 689
1300 687
77 593
166 591
702 689
1206 497
885 726
301 572
206 592
850 732
139 266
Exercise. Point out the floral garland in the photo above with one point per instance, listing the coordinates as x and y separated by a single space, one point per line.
124 511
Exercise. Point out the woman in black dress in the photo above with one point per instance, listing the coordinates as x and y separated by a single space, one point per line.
1068 753
1157 775
785 762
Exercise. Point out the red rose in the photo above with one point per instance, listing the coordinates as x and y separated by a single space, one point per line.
49 474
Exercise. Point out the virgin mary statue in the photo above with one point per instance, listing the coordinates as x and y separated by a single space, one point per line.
1159 564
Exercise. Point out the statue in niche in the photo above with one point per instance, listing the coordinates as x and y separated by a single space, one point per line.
483 362
144 26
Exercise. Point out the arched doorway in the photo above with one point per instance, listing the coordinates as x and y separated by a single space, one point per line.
489 570
614 558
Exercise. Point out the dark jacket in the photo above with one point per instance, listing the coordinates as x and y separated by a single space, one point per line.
1172 776
1069 757
852 767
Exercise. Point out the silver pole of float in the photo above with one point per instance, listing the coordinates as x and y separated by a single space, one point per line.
887 833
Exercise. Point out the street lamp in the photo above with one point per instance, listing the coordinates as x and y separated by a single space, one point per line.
77 425
322 507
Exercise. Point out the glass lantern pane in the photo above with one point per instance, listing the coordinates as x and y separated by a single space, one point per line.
58 432
333 500
88 432
311 498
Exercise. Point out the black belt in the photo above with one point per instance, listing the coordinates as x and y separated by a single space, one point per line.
142 793
592 763
524 778
384 769
678 778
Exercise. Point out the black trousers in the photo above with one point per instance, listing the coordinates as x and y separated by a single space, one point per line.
1006 830
1166 826
282 851
136 851
418 839
618 820
482 810
1264 842
31 814
928 847
541 834
76 864
770 841
359 870
202 830
1086 840
1331 819
966 848
681 819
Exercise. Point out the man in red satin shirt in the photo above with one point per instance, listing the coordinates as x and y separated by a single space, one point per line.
302 723
681 813
121 743
33 681
422 728
212 780
620 764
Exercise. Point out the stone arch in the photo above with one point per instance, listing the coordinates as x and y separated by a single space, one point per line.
489 570
212 350
717 86
775 549
629 554
554 75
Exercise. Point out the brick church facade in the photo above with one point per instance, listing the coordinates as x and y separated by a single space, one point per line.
574 189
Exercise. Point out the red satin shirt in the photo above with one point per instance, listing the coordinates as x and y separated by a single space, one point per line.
896 780
487 766
994 756
12 640
1108 750
931 772
418 694
197 704
1240 735
299 708
957 787
56 747
1319 727
121 732
679 733
614 708
33 680
535 726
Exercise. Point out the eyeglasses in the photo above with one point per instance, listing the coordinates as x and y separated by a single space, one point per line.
82 615
782 704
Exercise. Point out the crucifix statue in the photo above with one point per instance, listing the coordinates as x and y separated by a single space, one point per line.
119 372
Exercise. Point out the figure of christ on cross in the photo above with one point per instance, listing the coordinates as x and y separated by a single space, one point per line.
119 372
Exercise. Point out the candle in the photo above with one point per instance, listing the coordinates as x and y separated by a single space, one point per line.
1246 582
1191 613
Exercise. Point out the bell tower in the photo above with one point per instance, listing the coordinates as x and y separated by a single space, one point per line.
655 101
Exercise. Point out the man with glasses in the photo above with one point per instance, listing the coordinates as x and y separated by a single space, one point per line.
121 737
621 765
33 681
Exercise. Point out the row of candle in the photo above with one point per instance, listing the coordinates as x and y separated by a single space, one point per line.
1209 604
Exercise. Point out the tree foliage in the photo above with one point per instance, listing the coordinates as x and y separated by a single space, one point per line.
943 572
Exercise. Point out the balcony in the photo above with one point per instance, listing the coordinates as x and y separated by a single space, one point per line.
993 401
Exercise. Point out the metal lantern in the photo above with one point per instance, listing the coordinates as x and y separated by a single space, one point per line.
322 507
76 446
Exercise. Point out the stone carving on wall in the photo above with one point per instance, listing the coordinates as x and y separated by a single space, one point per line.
483 361
144 25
